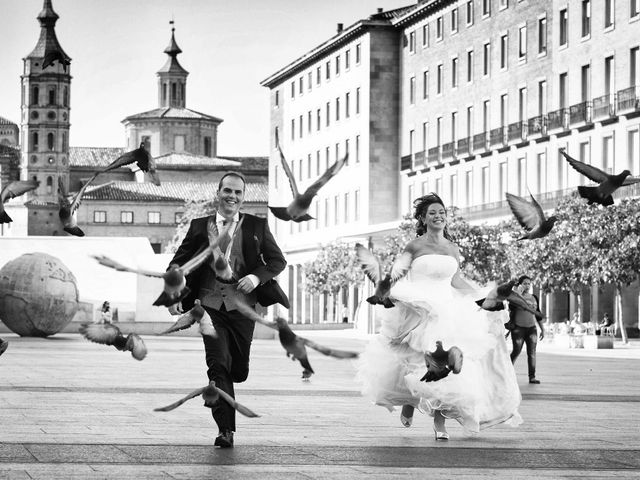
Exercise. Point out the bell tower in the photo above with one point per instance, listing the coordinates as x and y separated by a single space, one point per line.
172 78
46 90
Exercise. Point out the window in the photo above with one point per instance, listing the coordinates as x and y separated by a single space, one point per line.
358 54
318 75
411 195
337 151
542 97
485 115
634 8
309 122
470 10
609 13
522 43
454 72
586 18
293 89
276 98
326 158
584 158
504 105
608 75
412 134
454 20
275 176
486 185
326 212
318 162
425 187
65 97
300 169
177 217
486 59
99 216
412 41
126 217
468 185
35 93
503 179
542 172
328 113
562 166
504 4
347 59
486 8
439 28
357 100
309 169
347 105
412 90
439 80
327 70
438 187
633 149
542 36
425 35
585 83
153 217
454 126
469 121
347 151
438 131
293 129
301 86
309 81
562 90
346 207
522 104
356 205
51 141
504 51
207 146
337 65
357 148
337 109
425 136
336 209
522 176
563 19
425 84
633 65
318 121
50 185
470 66
52 95
178 143
607 154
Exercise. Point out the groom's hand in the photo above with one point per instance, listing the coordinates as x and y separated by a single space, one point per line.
248 284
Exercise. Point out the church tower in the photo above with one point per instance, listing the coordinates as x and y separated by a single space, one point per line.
46 82
172 78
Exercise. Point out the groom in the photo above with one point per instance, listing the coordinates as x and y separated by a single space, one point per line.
255 259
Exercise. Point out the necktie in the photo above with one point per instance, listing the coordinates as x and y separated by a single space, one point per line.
224 241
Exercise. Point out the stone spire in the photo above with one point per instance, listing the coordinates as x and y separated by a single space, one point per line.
48 48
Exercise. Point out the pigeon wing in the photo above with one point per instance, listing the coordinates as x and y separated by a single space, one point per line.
592 173
287 169
401 266
630 181
526 213
109 262
331 172
17 188
104 333
369 263
538 208
185 321
174 405
126 158
78 198
331 352
251 314
238 406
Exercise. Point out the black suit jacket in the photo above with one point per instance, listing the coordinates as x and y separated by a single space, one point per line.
262 257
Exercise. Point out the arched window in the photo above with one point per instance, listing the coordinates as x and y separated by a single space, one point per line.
51 141
35 93
49 185
34 142
64 142
207 146
173 93
52 95
164 94
65 97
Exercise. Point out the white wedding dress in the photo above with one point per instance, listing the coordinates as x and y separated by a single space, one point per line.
427 309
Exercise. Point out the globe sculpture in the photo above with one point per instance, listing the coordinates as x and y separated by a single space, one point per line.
38 295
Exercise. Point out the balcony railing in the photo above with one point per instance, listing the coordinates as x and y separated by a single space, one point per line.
556 119
537 125
434 155
463 147
405 162
603 107
496 136
629 99
448 150
480 142
517 131
418 160
580 113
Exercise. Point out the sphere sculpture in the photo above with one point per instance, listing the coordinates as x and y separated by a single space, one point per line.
38 295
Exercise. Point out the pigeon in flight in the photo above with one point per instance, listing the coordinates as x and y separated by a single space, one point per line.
109 334
298 208
196 314
3 346
68 209
495 298
294 345
530 216
607 184
175 284
141 157
211 395
12 190
441 362
373 271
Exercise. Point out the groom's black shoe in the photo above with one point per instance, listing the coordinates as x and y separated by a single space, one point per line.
224 439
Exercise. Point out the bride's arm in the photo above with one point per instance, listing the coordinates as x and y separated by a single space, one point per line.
458 281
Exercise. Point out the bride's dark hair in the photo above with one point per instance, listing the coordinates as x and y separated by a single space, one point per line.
420 206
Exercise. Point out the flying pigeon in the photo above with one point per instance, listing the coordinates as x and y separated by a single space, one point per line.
12 190
196 314
3 346
68 209
373 271
109 334
495 298
175 283
211 395
141 157
298 208
607 184
292 343
530 216
441 362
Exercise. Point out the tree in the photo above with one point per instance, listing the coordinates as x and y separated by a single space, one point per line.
193 210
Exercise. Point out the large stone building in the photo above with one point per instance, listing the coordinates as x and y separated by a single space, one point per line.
481 95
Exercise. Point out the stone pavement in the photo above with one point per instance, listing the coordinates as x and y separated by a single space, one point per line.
70 409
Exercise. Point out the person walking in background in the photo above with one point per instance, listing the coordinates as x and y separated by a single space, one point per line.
525 331
106 315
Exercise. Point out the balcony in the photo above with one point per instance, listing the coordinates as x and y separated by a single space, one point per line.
557 119
419 160
463 149
496 136
603 107
537 126
580 113
480 142
629 99
405 162
448 151
434 156
517 132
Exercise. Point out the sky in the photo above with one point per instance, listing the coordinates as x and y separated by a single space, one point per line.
116 47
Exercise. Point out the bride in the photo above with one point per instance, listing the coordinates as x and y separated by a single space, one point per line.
434 303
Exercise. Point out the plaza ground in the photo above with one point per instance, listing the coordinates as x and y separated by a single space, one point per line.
70 409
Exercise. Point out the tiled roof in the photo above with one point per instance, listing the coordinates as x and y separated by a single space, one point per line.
251 163
172 112
168 192
393 14
95 157
4 121
191 160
